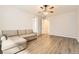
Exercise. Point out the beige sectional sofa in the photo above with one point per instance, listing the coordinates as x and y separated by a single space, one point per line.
27 34
17 40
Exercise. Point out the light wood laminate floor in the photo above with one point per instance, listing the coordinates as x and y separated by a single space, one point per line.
45 44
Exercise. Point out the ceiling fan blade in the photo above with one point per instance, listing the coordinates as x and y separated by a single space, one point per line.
51 11
51 7
41 7
40 12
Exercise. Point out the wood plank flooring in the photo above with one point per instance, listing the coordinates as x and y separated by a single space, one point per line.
45 44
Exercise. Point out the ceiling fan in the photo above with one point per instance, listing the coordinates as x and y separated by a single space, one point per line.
45 9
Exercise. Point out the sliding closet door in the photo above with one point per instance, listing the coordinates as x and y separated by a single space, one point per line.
37 25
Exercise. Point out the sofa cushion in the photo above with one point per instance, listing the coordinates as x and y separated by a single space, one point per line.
28 35
21 32
16 49
29 31
18 40
12 42
8 44
9 32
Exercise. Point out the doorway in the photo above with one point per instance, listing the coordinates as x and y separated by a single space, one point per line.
45 26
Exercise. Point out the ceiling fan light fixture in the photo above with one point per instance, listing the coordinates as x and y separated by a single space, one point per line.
46 9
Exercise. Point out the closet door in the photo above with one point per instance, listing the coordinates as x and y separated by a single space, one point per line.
37 25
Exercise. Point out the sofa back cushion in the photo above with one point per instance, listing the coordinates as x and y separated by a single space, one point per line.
9 32
21 32
29 31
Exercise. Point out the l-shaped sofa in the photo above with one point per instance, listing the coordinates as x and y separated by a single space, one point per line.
17 40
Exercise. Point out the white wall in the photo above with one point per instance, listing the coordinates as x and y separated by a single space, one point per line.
78 26
13 18
64 25
1 20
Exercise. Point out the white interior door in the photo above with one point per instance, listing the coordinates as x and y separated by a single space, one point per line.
45 28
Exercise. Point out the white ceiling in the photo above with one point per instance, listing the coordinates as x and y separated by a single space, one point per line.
34 9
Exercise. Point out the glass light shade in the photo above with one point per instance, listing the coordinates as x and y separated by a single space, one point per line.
45 13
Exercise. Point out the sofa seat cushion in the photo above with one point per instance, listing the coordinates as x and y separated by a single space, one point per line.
7 44
12 42
28 35
17 40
